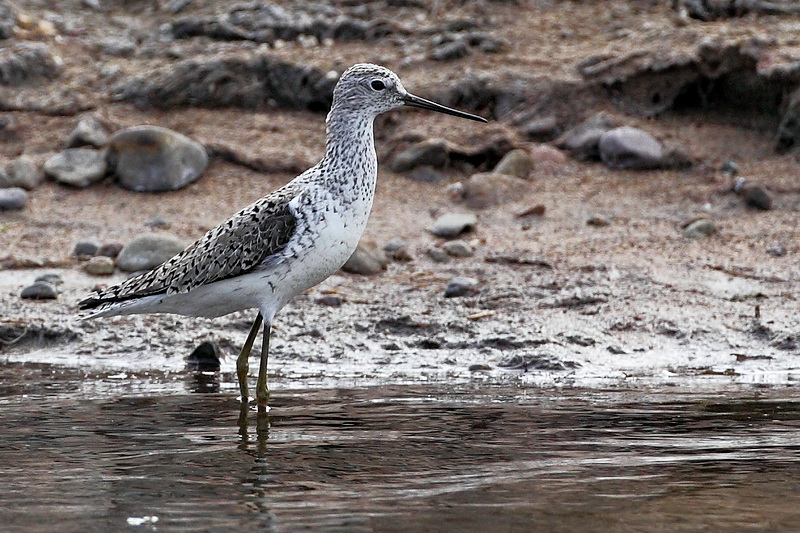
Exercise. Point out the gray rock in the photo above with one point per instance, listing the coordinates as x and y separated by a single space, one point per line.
458 248
117 46
40 290
454 224
86 247
110 249
426 174
776 251
397 249
461 287
628 147
582 141
51 278
700 228
13 198
516 163
147 251
430 152
486 189
438 255
330 300
78 167
756 196
541 129
149 159
99 266
26 62
25 172
368 259
89 131
450 51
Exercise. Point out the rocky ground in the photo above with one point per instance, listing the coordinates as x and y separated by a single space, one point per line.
642 226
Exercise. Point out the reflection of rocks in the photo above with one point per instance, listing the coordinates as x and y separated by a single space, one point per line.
149 158
147 251
78 167
13 198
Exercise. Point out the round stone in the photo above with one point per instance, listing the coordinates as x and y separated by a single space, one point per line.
78 167
99 266
454 224
458 248
516 163
86 247
150 159
461 287
147 251
13 198
40 290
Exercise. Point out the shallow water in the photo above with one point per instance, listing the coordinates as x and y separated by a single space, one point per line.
406 458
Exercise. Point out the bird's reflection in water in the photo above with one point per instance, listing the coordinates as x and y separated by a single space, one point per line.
202 382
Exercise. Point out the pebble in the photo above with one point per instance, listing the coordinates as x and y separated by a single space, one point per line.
454 224
583 140
756 197
78 167
426 174
628 147
330 300
461 287
478 367
433 153
487 189
541 129
450 51
40 290
776 251
730 168
537 210
110 249
147 251
150 159
25 172
546 159
99 265
516 163
367 260
598 221
397 249
13 198
89 131
51 278
86 247
438 255
699 228
458 248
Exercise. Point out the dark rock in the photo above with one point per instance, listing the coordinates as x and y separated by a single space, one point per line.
730 168
487 189
479 368
431 153
516 163
13 198
232 81
397 249
89 131
458 248
438 255
149 159
450 51
27 62
598 221
756 197
461 287
426 174
78 167
86 247
776 251
110 249
204 358
616 350
536 362
537 210
540 129
147 251
367 260
582 141
40 290
633 148
99 266
330 300
454 224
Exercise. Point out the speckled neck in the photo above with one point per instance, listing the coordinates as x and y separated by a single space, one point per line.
350 161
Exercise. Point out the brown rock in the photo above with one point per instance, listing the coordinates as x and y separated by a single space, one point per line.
486 189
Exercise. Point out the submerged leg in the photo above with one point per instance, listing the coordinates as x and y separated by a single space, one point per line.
262 391
242 363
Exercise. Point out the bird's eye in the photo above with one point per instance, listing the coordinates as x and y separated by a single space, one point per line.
377 85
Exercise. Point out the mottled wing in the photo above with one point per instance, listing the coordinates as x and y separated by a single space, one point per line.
237 246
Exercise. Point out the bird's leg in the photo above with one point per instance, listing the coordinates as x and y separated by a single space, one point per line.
262 391
242 363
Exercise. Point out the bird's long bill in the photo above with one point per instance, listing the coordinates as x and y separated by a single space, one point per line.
416 101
